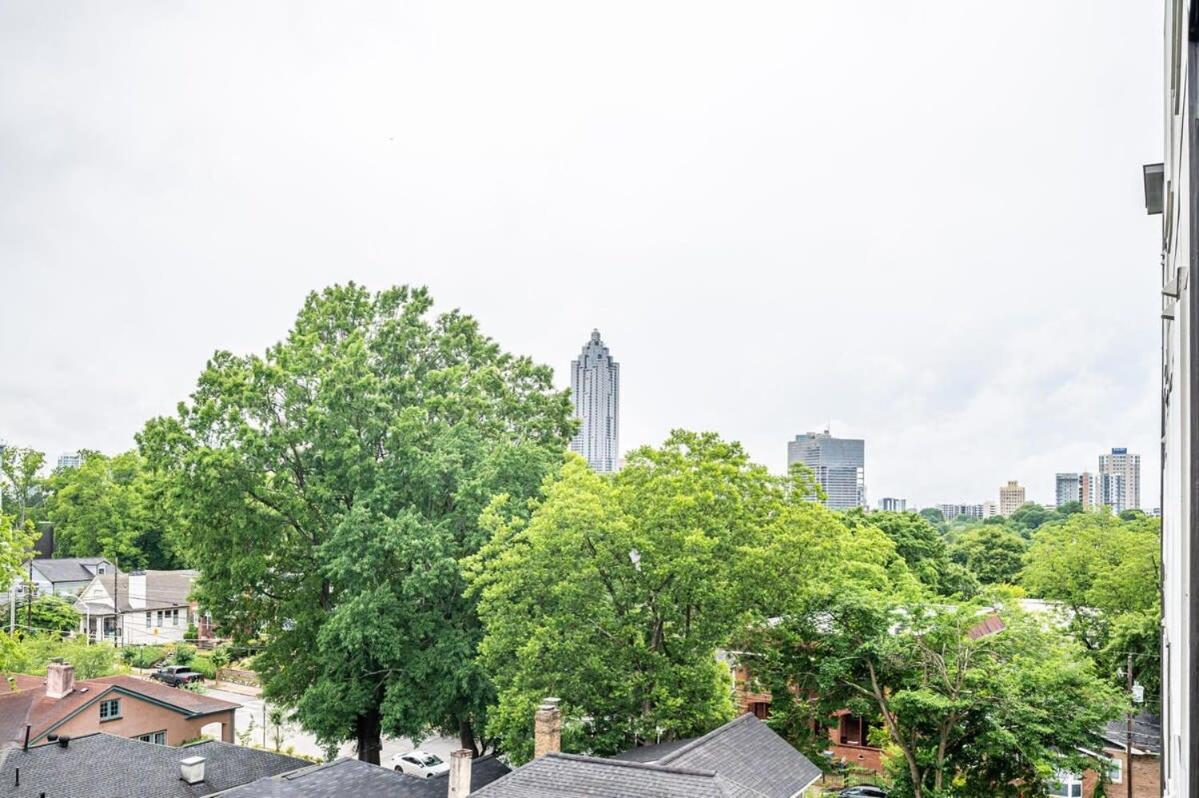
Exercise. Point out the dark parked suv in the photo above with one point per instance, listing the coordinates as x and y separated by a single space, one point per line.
176 675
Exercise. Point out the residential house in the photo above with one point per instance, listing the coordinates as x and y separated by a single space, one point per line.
33 709
743 757
363 780
101 765
151 607
62 576
1146 761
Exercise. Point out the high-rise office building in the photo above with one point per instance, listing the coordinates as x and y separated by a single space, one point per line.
1113 492
1128 468
1011 497
839 465
595 387
70 460
893 505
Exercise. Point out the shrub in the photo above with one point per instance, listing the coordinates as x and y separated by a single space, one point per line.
192 632
184 654
143 656
203 665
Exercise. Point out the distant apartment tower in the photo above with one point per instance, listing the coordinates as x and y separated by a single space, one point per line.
595 386
990 509
70 460
1128 468
1068 488
892 505
1011 497
839 465
952 511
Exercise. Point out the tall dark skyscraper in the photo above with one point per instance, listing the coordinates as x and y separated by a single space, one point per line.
595 386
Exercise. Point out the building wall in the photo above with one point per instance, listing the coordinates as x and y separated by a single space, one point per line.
1067 488
1146 778
1179 669
1011 498
142 717
1128 468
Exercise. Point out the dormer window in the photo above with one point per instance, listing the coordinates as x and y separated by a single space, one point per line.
100 569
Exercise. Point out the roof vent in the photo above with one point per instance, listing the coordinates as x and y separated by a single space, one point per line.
191 770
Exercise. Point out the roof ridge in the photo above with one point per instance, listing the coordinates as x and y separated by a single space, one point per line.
621 763
698 741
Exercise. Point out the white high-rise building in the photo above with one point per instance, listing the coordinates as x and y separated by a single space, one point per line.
891 504
595 386
70 460
1128 468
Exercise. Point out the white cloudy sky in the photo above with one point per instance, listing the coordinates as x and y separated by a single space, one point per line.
918 221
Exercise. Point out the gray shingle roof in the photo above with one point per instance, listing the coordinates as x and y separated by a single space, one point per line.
1146 732
103 766
748 753
743 758
67 569
361 780
568 776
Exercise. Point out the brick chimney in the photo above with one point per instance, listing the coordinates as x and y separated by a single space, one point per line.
547 728
60 678
460 762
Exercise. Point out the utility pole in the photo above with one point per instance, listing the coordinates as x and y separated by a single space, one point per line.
116 613
1128 740
29 596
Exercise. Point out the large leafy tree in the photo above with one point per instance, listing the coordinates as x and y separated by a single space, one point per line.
991 552
329 489
966 709
922 547
1106 573
112 507
616 592
21 468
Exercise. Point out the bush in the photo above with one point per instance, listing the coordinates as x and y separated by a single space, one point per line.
143 656
203 665
31 654
192 632
184 654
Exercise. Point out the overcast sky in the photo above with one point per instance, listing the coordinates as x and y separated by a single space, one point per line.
918 222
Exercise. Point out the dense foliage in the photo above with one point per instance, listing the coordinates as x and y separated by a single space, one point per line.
329 489
617 592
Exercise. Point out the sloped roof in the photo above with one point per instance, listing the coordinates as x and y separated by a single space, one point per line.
66 569
569 776
30 705
1146 733
102 765
163 589
745 752
362 780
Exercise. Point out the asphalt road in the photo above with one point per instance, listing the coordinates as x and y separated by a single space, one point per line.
254 710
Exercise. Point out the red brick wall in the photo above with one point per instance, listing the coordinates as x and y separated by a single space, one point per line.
1146 778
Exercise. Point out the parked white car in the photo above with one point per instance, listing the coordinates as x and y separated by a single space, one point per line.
420 763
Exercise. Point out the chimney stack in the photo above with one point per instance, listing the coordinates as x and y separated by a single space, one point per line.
547 728
191 770
460 762
60 678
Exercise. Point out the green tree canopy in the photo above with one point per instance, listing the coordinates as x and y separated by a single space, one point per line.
992 553
329 488
1029 517
22 483
1106 572
921 546
112 507
616 593
990 712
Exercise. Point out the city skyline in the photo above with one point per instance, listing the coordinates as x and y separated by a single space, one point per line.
696 277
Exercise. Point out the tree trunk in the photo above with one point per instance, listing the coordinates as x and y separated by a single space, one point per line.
368 729
466 737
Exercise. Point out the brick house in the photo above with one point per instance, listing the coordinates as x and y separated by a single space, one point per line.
1146 761
116 705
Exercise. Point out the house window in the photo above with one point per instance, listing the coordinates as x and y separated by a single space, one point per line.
1069 785
147 620
174 617
1115 771
158 618
761 709
158 738
100 569
110 709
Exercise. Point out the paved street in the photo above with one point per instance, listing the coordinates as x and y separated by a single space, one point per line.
256 710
